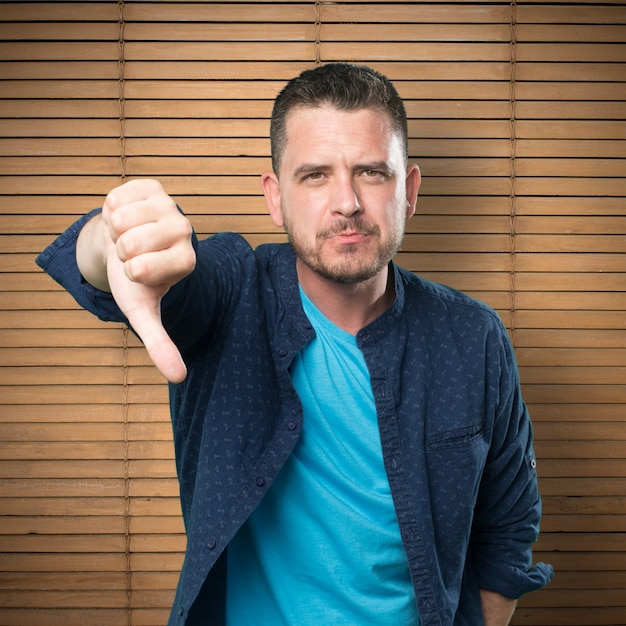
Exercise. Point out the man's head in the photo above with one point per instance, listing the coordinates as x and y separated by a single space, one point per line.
345 188
342 86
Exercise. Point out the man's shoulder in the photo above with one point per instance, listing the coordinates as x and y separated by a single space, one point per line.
427 293
232 245
239 244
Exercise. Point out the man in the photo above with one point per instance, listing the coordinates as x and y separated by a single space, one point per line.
351 443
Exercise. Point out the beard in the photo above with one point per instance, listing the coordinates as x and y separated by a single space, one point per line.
349 263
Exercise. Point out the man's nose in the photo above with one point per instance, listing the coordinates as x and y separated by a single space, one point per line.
346 199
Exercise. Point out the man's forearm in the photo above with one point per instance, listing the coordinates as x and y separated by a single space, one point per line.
497 609
91 254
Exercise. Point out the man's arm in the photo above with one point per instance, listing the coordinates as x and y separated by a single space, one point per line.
91 254
137 249
508 510
497 610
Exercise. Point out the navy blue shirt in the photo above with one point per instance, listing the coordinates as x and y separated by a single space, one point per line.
455 433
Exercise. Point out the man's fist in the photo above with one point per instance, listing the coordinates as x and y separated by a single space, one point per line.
137 250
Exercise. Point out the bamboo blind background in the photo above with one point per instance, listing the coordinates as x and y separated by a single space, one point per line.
517 119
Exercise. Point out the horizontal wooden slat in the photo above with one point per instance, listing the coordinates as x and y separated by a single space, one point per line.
595 580
220 12
556 338
99 99
143 444
222 51
570 148
303 29
574 281
583 506
574 91
571 52
72 31
101 337
557 72
581 468
554 14
85 468
574 376
70 617
384 13
59 51
551 394
85 525
599 430
570 301
60 128
64 70
572 357
571 262
61 432
57 580
284 70
563 616
435 51
601 33
54 600
571 110
569 243
580 411
59 11
553 129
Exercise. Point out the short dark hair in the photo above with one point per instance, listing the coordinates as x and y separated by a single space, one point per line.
343 86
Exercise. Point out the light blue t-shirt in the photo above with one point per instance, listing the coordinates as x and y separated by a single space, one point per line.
323 546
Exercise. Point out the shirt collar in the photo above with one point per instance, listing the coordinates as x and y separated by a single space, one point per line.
299 329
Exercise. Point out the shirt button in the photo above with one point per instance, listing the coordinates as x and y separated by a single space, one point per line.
260 481
282 352
291 426
211 543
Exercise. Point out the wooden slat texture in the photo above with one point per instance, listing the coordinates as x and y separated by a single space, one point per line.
517 118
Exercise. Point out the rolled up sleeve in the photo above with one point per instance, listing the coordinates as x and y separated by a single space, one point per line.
509 507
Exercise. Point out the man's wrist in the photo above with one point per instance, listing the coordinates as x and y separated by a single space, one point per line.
91 254
497 609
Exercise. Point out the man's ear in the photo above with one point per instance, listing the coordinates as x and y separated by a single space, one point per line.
413 180
271 191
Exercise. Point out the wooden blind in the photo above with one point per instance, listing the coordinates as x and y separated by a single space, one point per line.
518 122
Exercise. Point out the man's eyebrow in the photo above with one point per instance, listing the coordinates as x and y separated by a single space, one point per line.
309 168
375 165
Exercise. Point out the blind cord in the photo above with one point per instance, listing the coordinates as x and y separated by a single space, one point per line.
513 165
318 33
121 87
125 332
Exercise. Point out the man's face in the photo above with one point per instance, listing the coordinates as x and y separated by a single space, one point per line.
344 192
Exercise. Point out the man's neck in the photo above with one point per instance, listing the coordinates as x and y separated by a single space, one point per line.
349 306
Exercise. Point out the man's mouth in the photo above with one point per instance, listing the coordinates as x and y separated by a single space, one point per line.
350 237
349 232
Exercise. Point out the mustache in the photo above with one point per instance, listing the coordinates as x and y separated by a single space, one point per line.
349 225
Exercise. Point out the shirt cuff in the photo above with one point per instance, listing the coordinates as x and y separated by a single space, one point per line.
58 260
513 582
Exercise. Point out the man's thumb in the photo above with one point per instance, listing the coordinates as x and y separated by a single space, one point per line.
162 350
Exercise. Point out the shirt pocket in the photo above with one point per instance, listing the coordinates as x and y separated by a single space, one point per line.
465 437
